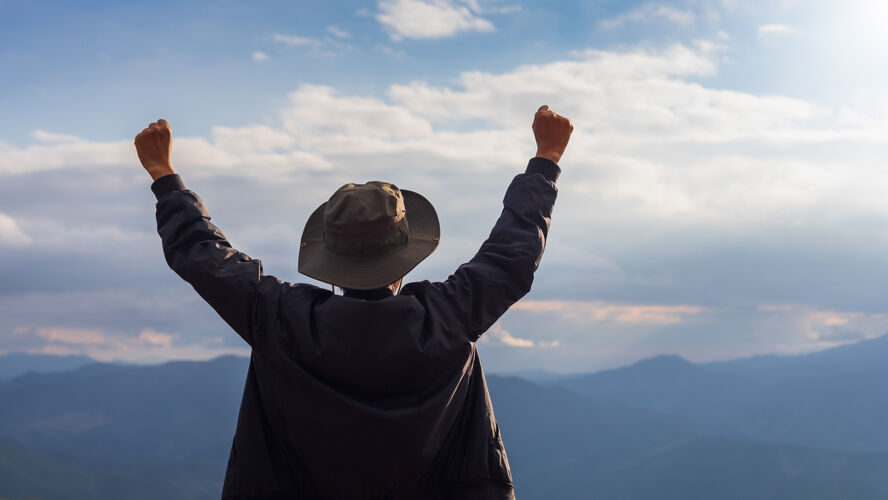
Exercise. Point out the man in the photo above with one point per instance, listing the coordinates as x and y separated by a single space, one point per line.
373 394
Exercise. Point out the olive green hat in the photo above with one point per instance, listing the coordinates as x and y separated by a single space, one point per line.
368 236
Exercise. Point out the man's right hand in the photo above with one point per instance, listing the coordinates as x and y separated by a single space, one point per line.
154 146
552 131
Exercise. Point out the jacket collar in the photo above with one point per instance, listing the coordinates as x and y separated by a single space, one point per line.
374 294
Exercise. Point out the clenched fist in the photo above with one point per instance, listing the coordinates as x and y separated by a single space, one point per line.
552 131
154 145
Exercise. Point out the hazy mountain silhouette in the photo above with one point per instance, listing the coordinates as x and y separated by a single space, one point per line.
665 383
179 410
18 363
662 428
538 376
867 357
833 399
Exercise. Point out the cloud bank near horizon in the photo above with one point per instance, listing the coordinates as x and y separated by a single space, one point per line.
693 219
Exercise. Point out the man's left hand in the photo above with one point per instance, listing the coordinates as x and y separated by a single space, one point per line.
154 145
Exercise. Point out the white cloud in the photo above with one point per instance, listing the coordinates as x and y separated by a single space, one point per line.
11 235
650 13
64 155
148 346
626 97
638 111
497 335
112 310
243 151
50 137
505 9
338 32
430 18
296 41
775 29
816 328
251 139
319 47
322 120
591 312
260 56
590 89
154 338
71 335
81 238
385 49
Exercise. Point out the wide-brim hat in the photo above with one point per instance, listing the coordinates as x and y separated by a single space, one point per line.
368 236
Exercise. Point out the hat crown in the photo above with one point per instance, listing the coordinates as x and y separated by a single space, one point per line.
361 207
368 235
365 220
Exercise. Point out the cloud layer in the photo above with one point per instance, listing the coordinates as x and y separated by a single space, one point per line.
684 209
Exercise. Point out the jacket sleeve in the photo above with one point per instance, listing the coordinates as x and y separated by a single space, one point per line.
483 289
230 281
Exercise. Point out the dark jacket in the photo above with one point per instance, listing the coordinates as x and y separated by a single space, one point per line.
366 395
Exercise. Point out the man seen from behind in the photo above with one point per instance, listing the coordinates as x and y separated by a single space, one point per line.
377 393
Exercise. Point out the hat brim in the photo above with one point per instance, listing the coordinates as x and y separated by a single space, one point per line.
423 236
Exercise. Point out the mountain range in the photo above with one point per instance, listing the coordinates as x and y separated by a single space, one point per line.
771 427
18 363
835 399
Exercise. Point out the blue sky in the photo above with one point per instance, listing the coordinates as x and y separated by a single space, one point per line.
722 195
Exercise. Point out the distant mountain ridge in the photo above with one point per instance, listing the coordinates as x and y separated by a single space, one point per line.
867 356
808 427
183 410
18 363
835 399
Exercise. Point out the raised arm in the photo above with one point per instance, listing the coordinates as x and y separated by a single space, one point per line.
229 280
481 290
